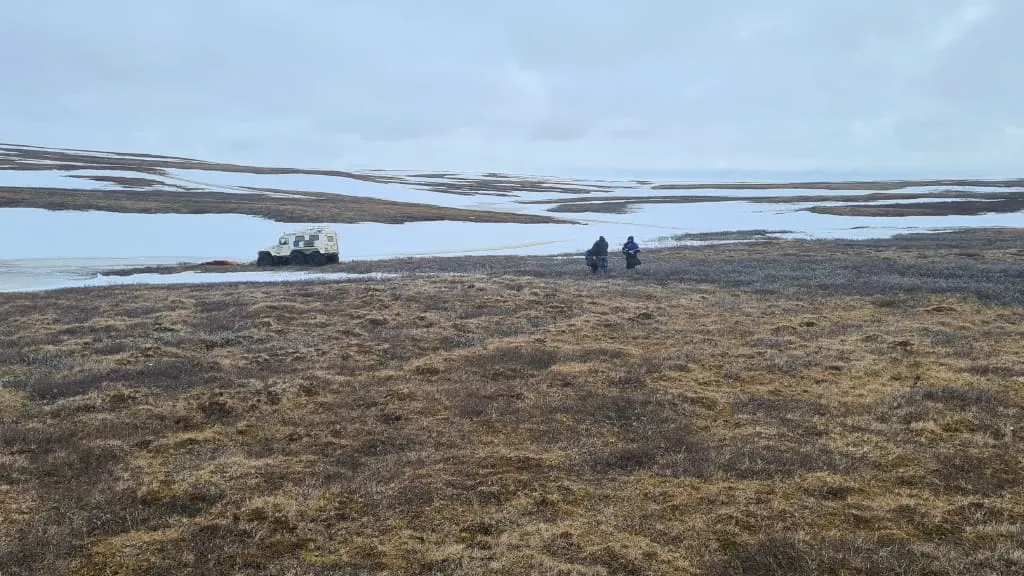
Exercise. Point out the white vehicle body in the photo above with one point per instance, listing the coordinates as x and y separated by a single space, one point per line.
314 246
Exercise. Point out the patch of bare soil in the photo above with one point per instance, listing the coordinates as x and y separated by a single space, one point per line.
960 208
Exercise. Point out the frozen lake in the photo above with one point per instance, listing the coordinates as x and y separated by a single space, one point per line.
49 274
43 249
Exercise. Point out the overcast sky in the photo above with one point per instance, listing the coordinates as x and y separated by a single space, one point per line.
525 85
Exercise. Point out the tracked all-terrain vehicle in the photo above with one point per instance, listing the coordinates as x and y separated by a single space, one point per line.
307 247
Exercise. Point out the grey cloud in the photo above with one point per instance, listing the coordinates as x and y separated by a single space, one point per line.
532 84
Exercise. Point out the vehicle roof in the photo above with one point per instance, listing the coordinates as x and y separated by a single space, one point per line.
312 230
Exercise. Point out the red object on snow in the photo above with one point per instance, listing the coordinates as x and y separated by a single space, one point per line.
219 263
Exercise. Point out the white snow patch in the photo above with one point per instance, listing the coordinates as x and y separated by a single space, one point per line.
162 182
44 273
39 234
318 183
239 237
46 179
181 177
195 278
554 198
225 277
80 179
55 165
17 149
35 233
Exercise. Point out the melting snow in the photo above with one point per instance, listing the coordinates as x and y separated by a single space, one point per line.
171 238
194 278
239 237
47 179
242 182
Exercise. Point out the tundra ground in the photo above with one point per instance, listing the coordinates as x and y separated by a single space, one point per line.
143 191
769 408
286 206
876 204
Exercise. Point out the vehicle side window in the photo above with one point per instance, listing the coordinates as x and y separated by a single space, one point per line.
283 242
298 241
314 237
330 238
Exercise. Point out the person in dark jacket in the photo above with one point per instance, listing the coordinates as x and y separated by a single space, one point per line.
631 251
591 261
599 255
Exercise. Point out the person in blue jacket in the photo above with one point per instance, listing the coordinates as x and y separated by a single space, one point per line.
631 251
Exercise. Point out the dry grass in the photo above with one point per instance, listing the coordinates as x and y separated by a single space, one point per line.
512 425
1005 204
980 263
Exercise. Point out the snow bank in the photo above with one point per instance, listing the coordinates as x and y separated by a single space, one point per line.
194 278
240 181
47 179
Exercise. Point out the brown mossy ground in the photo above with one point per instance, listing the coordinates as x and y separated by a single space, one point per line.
285 206
876 204
512 425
